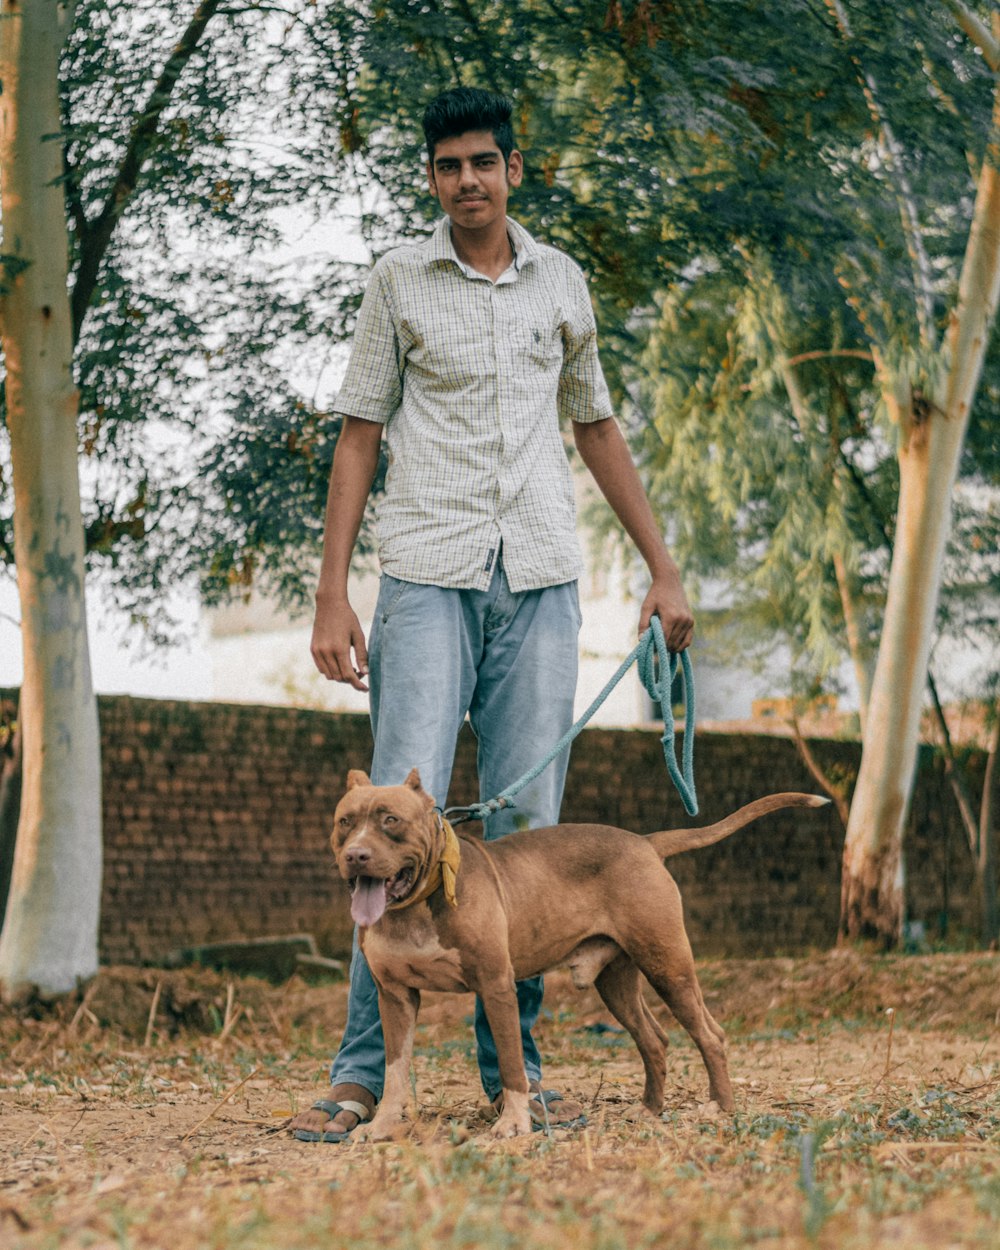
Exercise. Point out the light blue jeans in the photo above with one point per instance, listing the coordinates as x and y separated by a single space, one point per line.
509 661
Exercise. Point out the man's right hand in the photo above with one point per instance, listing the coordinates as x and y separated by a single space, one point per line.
338 643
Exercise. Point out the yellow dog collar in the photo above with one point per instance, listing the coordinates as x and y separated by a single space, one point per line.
445 871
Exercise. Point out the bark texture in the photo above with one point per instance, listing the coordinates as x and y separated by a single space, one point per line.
49 938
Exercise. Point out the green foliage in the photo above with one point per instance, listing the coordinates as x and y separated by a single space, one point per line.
182 144
726 187
269 479
736 204
764 494
762 429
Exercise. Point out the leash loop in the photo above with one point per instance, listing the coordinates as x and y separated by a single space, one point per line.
657 671
652 656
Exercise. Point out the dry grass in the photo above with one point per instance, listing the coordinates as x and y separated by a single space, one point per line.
121 1126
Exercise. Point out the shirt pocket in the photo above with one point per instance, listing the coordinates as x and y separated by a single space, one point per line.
539 346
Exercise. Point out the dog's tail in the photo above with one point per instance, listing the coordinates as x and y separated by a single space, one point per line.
673 841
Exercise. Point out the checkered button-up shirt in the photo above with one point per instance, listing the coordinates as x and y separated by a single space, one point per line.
471 379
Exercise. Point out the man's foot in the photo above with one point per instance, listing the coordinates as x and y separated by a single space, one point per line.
334 1118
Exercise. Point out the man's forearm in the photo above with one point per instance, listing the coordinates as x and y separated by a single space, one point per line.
338 642
355 462
605 453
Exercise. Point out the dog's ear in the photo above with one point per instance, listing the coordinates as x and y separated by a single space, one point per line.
414 783
357 778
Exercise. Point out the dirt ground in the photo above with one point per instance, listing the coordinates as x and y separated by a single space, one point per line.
148 1114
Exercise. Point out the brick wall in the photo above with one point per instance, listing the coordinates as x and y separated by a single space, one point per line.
217 818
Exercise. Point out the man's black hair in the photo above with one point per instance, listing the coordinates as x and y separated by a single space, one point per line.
469 108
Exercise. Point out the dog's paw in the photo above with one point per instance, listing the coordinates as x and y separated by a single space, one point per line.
510 1126
385 1130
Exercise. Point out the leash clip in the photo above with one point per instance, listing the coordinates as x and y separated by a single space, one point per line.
478 811
459 815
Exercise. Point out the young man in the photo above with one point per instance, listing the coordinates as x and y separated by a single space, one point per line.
470 347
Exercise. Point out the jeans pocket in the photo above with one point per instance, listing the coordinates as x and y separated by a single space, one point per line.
390 592
574 595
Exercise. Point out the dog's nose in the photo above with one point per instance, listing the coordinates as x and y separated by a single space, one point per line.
357 856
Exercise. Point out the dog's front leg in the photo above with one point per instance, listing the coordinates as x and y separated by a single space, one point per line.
397 1006
500 1005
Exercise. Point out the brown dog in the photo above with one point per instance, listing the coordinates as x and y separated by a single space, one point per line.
441 913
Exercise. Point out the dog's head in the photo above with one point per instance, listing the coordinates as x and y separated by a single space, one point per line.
384 838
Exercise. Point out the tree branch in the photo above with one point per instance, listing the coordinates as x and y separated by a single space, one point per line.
94 243
978 32
979 285
837 792
856 353
953 772
910 220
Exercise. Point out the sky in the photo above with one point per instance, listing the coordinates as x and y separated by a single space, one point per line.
183 671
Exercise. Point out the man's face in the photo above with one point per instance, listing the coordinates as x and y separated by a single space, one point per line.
469 178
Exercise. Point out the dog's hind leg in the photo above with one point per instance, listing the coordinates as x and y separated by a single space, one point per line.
713 1024
663 954
680 990
620 986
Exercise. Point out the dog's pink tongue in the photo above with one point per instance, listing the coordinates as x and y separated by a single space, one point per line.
368 900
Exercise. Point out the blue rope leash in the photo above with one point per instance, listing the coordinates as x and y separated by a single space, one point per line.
651 654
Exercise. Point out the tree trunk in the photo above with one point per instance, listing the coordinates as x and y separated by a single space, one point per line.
931 433
872 882
49 939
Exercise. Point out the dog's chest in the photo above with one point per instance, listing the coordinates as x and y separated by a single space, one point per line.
412 954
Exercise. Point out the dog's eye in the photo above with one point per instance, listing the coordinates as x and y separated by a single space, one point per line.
390 820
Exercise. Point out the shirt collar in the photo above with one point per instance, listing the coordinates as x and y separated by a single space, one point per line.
441 248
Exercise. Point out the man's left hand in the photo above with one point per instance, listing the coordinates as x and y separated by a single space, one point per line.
667 600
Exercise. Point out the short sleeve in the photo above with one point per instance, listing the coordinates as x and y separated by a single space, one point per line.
373 384
583 392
